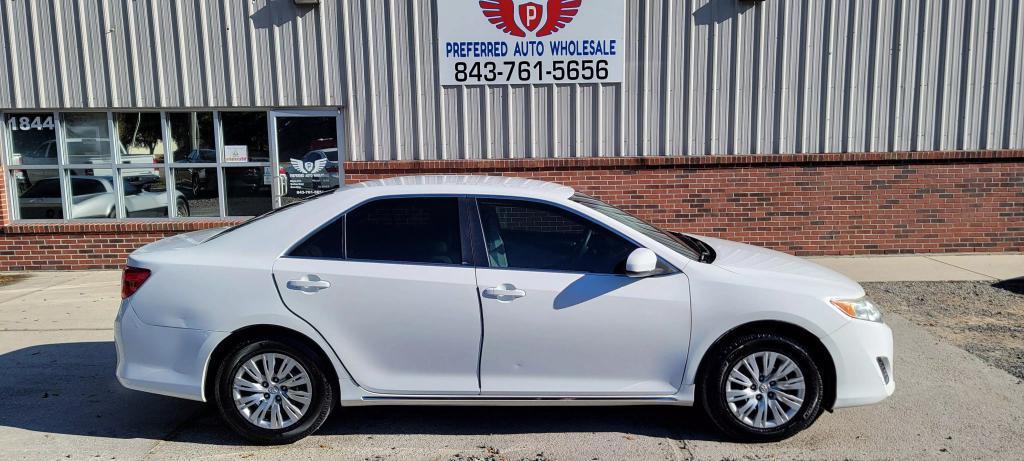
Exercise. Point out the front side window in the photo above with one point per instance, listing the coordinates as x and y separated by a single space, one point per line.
530 235
416 230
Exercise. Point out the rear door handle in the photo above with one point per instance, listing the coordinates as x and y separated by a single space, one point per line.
505 292
308 284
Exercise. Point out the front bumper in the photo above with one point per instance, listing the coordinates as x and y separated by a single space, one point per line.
162 360
863 356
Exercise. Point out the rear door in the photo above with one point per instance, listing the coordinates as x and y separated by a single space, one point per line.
391 289
560 316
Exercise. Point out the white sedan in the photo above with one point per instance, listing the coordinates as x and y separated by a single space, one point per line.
490 291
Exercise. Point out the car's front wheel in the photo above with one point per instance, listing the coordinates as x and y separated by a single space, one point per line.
762 387
273 392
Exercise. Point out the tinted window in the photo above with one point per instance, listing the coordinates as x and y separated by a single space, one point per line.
81 186
421 230
47 188
529 235
328 242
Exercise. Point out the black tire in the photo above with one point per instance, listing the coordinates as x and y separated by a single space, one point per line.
182 209
714 380
321 402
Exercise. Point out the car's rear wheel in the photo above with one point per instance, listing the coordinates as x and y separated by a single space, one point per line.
273 392
181 208
762 387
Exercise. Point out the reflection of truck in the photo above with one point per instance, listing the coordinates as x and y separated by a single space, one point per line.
83 151
93 197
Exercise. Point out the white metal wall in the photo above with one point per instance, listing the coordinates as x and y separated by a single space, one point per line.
703 76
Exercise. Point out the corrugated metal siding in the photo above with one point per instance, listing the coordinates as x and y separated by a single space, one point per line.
702 76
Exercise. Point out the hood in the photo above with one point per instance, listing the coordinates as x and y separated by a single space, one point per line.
777 267
180 241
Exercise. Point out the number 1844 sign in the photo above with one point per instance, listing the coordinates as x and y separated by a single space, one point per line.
494 42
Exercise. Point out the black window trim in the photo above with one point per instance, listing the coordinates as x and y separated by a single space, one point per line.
484 263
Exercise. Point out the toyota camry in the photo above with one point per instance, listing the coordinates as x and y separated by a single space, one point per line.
442 290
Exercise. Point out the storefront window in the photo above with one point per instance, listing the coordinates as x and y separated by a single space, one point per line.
245 137
145 194
158 165
38 193
93 197
192 136
87 138
248 190
198 188
141 137
33 139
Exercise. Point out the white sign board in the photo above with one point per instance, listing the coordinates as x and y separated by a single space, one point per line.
494 42
236 153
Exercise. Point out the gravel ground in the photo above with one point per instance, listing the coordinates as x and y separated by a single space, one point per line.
982 318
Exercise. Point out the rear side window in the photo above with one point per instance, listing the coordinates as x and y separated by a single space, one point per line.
326 243
46 188
417 230
530 235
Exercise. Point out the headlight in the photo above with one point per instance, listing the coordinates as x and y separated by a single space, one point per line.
860 308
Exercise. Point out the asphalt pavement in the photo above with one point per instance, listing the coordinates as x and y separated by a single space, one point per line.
61 401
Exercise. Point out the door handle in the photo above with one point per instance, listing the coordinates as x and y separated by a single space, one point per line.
308 284
505 292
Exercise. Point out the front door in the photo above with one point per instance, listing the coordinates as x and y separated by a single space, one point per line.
387 288
560 318
306 153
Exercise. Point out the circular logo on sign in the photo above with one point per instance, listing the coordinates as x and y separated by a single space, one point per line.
519 17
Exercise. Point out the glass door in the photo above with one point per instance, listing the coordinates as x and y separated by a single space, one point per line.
305 150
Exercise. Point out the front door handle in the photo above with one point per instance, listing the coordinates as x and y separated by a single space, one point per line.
505 292
308 284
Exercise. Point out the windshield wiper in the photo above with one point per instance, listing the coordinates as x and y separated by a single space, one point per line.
707 254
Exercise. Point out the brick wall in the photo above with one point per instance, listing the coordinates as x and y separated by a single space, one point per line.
821 204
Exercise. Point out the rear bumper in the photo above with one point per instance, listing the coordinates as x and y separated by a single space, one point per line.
162 360
863 356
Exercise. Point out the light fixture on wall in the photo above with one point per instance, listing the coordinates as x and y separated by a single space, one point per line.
307 2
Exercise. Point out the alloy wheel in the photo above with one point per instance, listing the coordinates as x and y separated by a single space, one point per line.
765 390
272 390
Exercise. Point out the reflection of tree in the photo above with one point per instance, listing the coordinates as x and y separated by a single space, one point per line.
137 129
191 131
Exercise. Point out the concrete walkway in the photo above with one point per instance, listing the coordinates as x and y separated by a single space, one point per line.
925 268
62 401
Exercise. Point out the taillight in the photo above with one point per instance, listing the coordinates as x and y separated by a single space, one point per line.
131 279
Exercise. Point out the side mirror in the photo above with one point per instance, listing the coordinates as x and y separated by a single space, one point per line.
641 263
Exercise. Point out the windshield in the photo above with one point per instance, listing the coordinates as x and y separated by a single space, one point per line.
639 225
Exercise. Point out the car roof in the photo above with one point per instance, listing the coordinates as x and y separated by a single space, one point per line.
464 184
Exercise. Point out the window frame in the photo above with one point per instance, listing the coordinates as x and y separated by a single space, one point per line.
66 170
484 262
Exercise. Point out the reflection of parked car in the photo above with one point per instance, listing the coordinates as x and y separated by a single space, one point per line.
200 178
93 197
205 179
44 154
316 171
